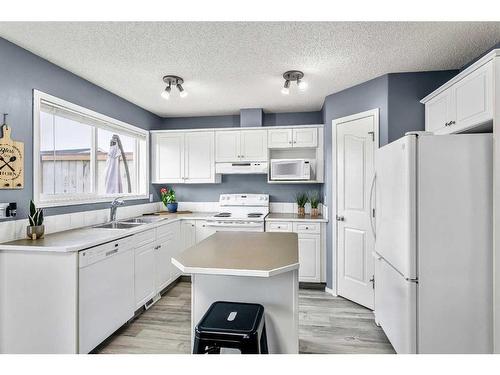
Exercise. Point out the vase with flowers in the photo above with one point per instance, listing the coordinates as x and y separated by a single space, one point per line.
168 198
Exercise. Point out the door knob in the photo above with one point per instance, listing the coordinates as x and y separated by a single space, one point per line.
340 218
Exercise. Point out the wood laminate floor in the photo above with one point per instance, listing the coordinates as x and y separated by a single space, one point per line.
327 324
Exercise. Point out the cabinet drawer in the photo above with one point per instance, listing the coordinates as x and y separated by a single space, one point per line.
144 238
278 226
308 227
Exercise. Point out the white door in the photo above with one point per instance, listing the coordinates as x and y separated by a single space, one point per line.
227 145
254 145
144 274
199 157
305 137
355 142
188 234
168 157
280 138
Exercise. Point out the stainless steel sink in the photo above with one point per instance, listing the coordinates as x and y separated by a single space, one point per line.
143 220
117 225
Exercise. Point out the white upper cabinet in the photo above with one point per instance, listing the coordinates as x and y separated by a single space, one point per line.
168 157
227 145
280 138
253 145
199 157
305 137
464 103
296 137
241 145
184 157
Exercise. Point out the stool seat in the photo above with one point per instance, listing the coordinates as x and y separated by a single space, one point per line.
231 325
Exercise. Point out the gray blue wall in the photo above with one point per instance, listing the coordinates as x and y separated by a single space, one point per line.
397 96
20 73
240 183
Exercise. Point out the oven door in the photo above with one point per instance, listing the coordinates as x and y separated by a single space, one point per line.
290 170
235 226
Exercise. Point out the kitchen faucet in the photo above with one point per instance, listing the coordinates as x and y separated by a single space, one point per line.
114 205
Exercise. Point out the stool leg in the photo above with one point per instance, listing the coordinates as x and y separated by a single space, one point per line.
198 346
263 341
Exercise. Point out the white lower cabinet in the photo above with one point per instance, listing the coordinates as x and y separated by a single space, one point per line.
144 276
203 231
310 246
188 234
168 245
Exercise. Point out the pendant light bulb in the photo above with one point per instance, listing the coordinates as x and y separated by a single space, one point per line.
182 92
302 85
166 93
286 88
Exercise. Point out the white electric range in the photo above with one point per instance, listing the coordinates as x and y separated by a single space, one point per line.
240 212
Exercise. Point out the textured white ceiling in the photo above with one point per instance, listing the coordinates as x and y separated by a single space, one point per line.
233 65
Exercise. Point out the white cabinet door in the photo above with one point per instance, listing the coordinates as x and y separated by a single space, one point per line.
473 99
309 257
168 157
438 112
227 145
280 138
144 274
200 157
202 231
167 246
188 234
305 137
254 145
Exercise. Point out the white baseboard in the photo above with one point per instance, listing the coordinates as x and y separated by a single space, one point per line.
330 291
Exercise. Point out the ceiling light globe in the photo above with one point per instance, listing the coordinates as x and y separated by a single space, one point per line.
285 90
302 85
165 94
183 94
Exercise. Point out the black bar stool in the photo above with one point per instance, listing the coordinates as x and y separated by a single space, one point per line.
231 325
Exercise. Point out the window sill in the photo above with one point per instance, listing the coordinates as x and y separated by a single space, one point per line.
94 200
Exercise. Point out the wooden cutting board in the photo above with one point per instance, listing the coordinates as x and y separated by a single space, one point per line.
11 161
172 213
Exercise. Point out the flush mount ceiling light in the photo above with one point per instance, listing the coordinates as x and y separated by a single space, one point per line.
293 75
176 81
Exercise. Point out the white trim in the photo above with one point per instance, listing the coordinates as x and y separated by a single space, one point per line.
238 128
376 128
108 122
330 291
483 60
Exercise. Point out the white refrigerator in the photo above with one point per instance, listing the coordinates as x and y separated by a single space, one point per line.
433 247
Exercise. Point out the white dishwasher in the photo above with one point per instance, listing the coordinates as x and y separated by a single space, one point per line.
106 291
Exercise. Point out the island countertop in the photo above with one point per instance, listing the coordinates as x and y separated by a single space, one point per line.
260 254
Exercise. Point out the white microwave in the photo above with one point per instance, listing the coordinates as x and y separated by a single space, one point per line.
290 169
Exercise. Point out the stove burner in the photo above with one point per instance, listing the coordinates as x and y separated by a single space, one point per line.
254 214
223 214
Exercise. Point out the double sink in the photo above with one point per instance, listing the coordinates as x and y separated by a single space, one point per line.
129 223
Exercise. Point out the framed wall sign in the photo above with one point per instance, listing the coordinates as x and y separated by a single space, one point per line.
11 161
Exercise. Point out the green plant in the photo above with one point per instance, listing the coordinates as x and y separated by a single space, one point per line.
36 215
167 196
314 199
301 199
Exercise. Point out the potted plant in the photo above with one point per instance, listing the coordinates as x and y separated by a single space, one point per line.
36 229
301 199
169 200
314 200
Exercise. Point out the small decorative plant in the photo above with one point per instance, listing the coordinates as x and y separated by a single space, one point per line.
314 200
301 199
168 198
36 228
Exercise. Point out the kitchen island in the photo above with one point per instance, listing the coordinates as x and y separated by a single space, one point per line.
248 267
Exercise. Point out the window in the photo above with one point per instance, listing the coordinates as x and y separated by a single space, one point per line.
81 156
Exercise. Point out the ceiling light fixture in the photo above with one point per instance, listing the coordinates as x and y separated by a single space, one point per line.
176 81
293 75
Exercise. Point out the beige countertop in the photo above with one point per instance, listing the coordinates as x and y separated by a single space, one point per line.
294 217
259 254
83 238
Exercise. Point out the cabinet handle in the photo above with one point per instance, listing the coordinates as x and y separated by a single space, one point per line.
307 227
447 124
452 122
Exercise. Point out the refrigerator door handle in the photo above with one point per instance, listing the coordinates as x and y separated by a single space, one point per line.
370 206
